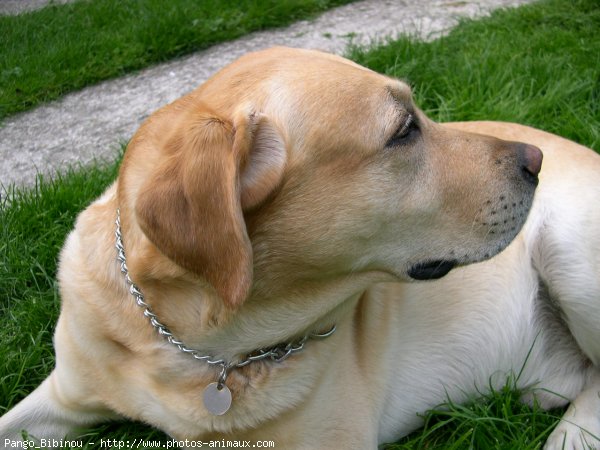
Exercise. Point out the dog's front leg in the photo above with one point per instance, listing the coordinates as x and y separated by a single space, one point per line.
44 415
580 426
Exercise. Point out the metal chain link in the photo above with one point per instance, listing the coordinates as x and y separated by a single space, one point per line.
277 353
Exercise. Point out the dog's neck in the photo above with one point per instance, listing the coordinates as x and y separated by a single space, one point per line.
262 322
265 328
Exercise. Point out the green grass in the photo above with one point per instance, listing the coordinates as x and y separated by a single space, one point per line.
61 48
537 65
496 421
33 227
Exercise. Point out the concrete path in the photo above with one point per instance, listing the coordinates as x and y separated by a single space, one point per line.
20 6
92 123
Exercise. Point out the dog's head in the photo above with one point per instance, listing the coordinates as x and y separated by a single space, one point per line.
305 166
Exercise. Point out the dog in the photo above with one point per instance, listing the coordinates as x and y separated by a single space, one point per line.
294 252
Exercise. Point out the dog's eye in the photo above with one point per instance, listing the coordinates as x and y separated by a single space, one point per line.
405 133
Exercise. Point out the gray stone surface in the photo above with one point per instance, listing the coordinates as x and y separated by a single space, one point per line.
90 124
21 6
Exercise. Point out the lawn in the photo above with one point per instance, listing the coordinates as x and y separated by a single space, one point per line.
61 48
538 64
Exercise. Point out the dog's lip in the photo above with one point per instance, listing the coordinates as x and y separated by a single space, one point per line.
431 270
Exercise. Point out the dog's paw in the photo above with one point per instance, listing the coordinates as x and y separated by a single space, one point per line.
571 436
579 428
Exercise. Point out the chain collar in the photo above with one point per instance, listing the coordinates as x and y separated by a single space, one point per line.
277 353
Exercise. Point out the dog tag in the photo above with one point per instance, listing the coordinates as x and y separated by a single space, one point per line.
217 400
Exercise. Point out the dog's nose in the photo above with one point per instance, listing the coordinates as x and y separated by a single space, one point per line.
530 158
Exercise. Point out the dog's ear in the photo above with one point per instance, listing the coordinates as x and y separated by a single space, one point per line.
264 164
190 207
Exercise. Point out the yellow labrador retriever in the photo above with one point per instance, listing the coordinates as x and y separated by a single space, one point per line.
250 275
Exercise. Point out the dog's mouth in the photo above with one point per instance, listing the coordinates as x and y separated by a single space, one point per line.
431 270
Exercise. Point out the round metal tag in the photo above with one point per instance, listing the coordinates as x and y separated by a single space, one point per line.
217 400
